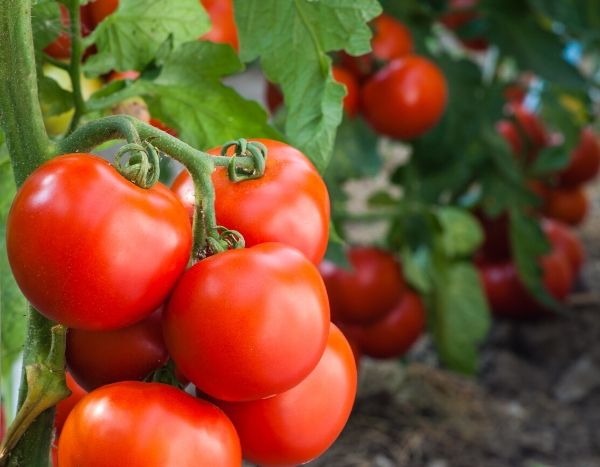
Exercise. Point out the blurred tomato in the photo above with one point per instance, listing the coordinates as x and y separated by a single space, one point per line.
563 238
496 237
223 29
100 9
584 162
569 205
460 14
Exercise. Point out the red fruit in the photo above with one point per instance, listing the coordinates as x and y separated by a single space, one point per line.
405 98
569 205
300 424
368 291
346 78
100 9
123 75
64 407
395 333
509 131
584 163
61 46
531 125
156 123
461 13
565 240
496 237
223 29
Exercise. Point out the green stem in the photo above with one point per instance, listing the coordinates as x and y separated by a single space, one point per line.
75 65
57 63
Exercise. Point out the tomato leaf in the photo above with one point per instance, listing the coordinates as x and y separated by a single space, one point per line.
45 22
130 38
461 233
461 317
188 95
53 99
294 55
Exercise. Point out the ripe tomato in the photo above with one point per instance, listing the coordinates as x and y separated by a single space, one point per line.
147 424
584 164
496 239
565 240
249 323
531 125
61 46
64 407
461 13
298 425
405 98
155 122
288 204
100 9
368 291
508 130
568 205
96 358
223 29
91 250
395 333
123 75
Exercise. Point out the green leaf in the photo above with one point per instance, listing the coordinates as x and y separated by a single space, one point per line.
461 233
294 55
416 268
130 38
461 317
53 99
46 22
13 306
188 95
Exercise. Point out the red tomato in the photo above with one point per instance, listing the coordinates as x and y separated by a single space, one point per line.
564 239
395 333
100 9
531 125
288 204
461 13
585 161
249 323
509 131
405 98
123 75
368 291
61 46
273 96
223 29
156 123
298 425
515 93
496 238
569 205
346 78
147 424
391 40
64 407
96 358
91 250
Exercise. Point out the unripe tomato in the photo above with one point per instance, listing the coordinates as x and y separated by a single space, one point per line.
96 358
405 98
223 29
566 240
368 291
568 205
91 250
288 204
584 163
298 425
247 324
100 9
137 424
64 407
395 333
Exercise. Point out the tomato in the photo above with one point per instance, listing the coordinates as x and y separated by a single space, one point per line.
346 78
584 163
64 407
123 75
463 12
61 46
249 323
155 122
509 132
395 333
391 39
515 93
223 29
564 239
569 205
405 98
100 9
288 204
298 425
96 358
147 424
366 292
496 238
531 125
91 250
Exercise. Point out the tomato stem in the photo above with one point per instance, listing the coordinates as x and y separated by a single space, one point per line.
75 64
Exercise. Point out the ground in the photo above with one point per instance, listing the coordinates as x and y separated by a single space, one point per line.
534 403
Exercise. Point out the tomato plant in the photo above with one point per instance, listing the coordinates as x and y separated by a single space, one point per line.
100 9
584 163
282 430
223 28
568 205
565 240
169 416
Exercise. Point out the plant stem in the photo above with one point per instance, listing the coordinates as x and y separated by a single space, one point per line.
75 65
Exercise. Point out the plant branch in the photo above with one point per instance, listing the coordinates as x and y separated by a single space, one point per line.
75 65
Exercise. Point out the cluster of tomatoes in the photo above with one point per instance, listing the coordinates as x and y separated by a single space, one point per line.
250 328
400 94
372 304
563 204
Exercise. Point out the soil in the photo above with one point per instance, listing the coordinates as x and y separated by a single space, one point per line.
534 403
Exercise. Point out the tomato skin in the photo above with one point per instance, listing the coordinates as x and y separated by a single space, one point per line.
564 239
223 28
146 424
77 229
298 425
64 407
60 48
368 291
496 238
96 358
568 205
405 98
531 125
346 78
508 130
584 163
288 204
394 334
100 9
247 324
